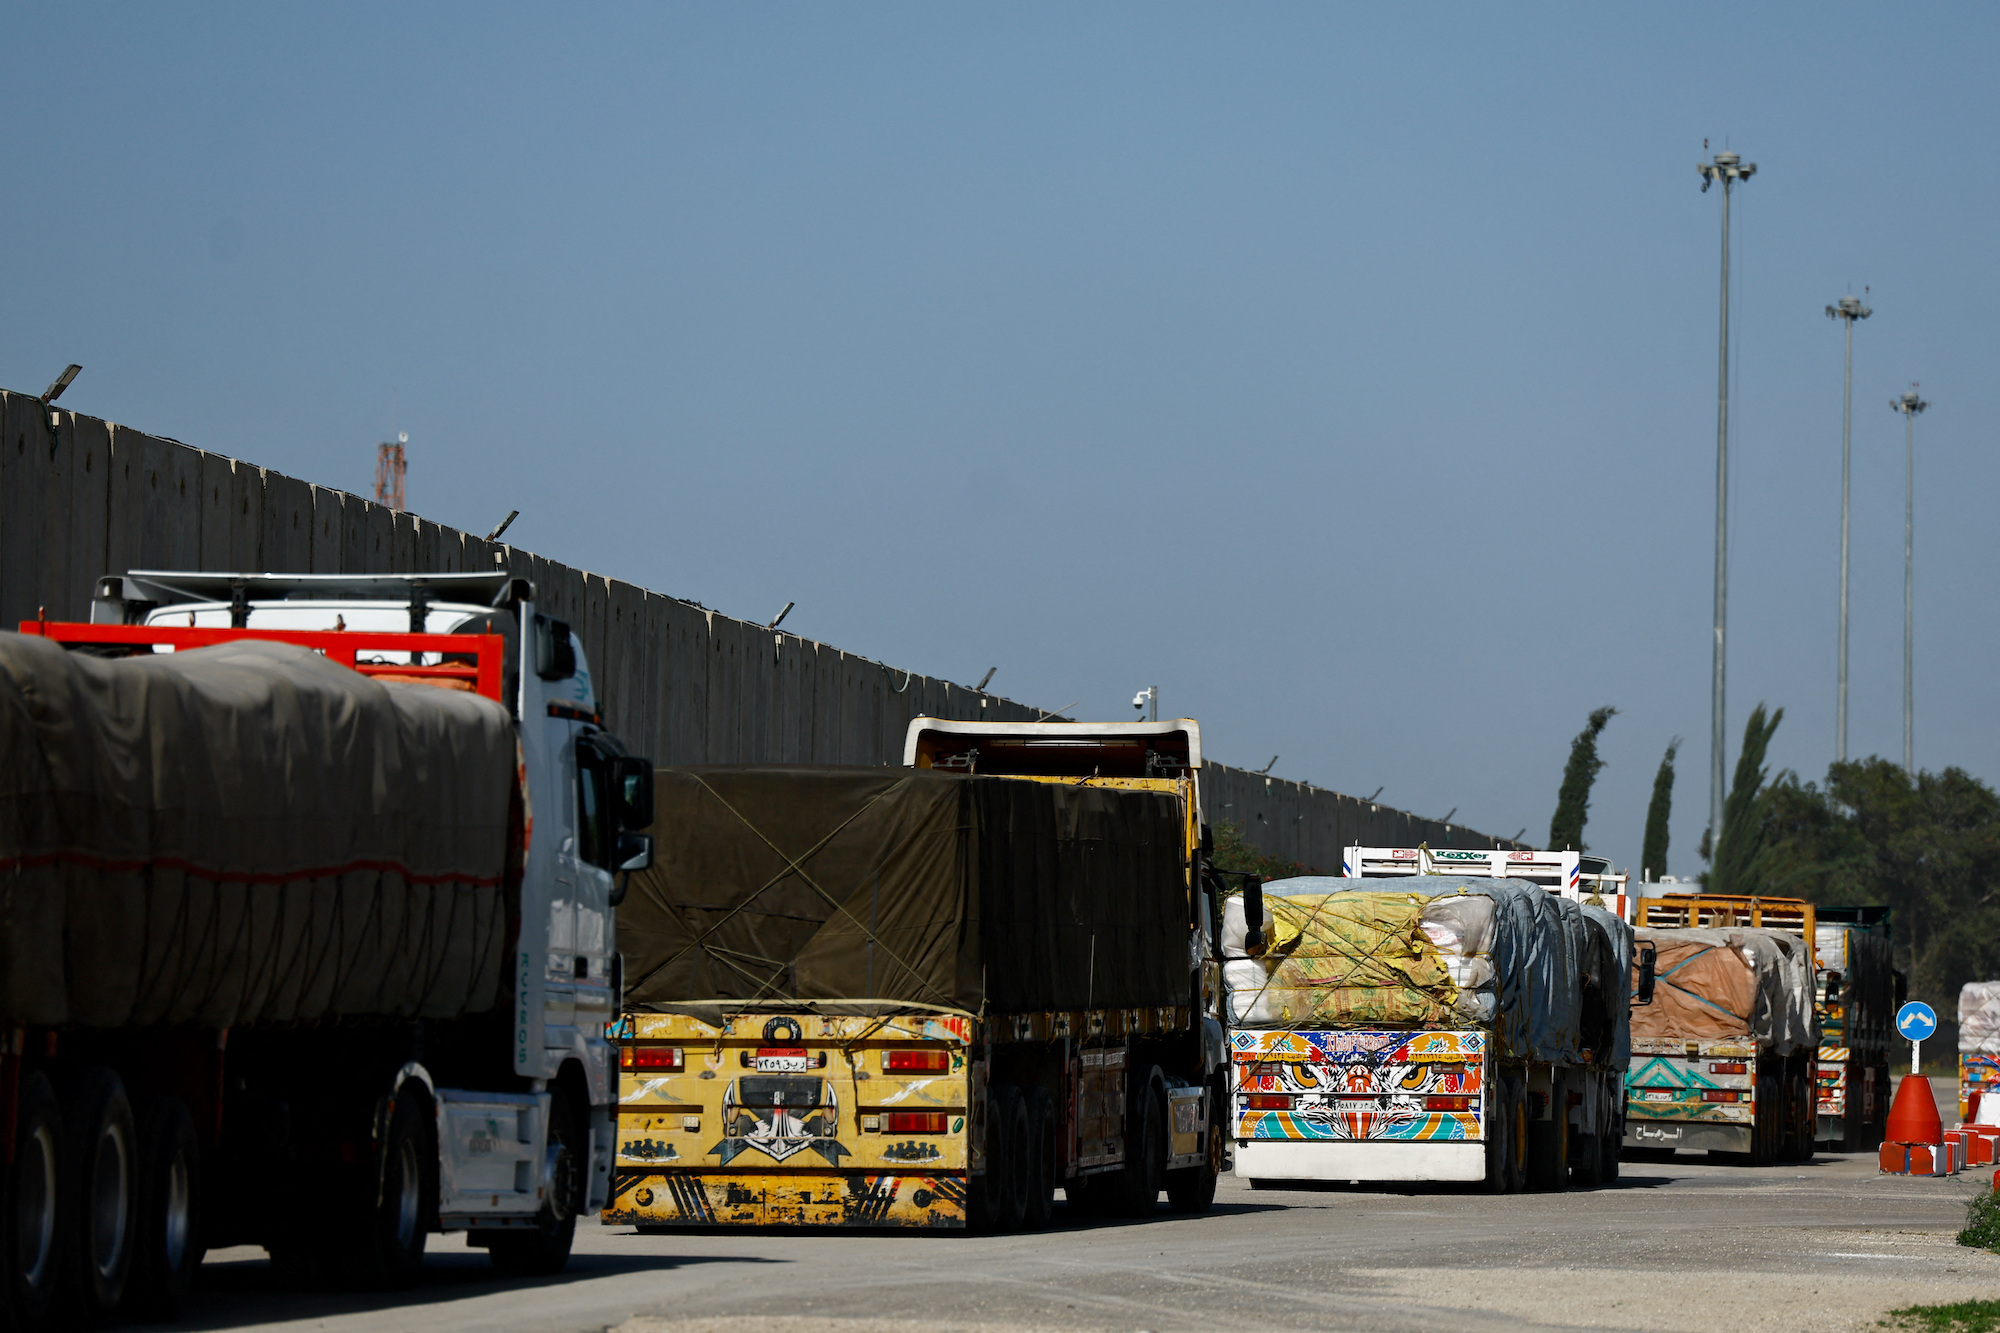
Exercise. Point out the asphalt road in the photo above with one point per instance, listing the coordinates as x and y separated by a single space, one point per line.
1677 1245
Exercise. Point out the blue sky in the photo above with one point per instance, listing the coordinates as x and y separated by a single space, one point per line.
1347 372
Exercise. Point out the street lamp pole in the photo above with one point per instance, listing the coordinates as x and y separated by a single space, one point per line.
1727 169
1847 310
1909 405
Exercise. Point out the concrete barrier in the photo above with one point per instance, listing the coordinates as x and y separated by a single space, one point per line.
679 682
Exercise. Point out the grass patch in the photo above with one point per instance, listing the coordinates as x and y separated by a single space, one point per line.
1982 1223
1963 1317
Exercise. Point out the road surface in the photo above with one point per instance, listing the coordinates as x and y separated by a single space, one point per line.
1683 1244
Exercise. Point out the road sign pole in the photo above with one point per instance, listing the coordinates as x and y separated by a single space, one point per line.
1913 1057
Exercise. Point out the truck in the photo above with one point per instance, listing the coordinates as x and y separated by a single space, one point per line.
1978 1047
927 996
309 940
1722 1059
1436 1028
1578 876
1856 992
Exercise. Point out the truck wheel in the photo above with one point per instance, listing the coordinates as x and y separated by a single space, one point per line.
1499 1139
1191 1189
33 1218
1589 1166
1764 1126
1016 1158
1517 1135
1807 1119
1548 1143
386 1248
1609 1146
1042 1129
1145 1143
169 1248
103 1175
545 1249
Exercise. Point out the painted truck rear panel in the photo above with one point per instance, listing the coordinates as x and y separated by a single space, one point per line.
741 1133
1359 1085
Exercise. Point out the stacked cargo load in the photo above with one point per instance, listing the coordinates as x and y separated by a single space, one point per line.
1857 1005
1430 1032
1720 1055
1978 1047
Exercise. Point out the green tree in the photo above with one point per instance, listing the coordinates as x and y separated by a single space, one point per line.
1573 800
1748 861
1653 860
1233 852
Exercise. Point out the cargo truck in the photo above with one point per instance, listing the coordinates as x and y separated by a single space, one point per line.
1722 1059
1978 1047
1857 1006
928 996
308 939
1432 1029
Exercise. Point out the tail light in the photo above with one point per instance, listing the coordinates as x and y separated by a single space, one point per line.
914 1122
1268 1101
915 1062
650 1057
1447 1103
1713 1095
1734 1067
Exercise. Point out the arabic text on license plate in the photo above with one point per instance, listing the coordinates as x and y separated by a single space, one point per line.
782 1064
1357 1106
1665 1095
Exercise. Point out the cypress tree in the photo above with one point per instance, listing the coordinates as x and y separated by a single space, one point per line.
1653 860
1742 863
1573 801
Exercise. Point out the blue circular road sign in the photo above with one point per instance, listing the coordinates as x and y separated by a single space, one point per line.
1916 1020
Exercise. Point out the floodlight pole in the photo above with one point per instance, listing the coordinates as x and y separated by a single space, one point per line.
1909 405
1728 169
1848 309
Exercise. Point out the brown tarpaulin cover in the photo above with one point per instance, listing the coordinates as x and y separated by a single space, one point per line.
243 834
866 890
1713 984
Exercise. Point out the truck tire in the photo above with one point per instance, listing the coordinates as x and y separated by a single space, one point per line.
385 1247
1138 1187
1586 1170
1765 1126
1517 1134
34 1220
1610 1145
1499 1132
104 1159
1042 1128
169 1247
545 1249
1017 1155
1548 1143
1191 1189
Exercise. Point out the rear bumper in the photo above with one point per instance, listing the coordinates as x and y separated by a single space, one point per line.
792 1198
1691 1134
1337 1160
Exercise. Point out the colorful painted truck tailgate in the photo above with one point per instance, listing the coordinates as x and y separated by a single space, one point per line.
793 1118
1421 1087
1704 1097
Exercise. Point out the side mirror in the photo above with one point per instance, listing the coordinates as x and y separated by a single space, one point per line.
1833 984
555 655
635 851
632 789
1649 957
1253 915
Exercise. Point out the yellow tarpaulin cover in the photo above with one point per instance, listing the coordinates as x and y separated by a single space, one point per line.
1350 959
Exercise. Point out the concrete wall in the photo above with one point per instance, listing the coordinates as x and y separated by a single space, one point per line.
678 682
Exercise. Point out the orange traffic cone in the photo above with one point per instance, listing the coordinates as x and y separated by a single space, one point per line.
1913 1117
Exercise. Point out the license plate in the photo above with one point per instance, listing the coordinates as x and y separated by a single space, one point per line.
1665 1096
1354 1106
791 1062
